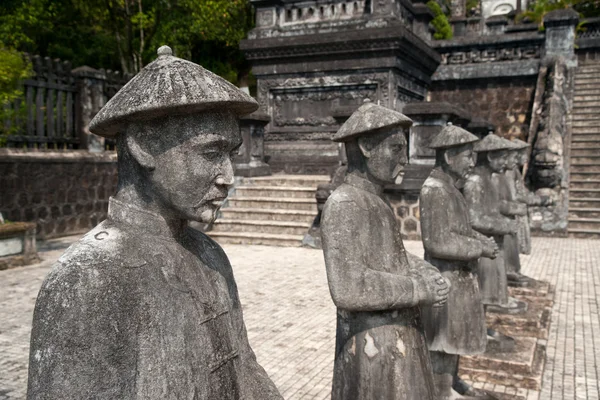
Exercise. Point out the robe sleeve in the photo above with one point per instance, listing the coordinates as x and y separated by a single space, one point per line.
354 286
83 339
482 219
524 195
440 238
255 384
513 208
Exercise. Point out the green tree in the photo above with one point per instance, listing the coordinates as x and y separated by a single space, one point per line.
539 8
124 34
440 22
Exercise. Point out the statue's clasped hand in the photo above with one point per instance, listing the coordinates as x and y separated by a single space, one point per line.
434 290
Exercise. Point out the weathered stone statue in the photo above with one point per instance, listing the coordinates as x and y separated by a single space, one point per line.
144 307
376 285
514 209
451 245
524 195
483 197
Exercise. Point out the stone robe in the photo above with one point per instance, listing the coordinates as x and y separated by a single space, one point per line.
130 312
514 209
524 195
381 352
453 247
483 200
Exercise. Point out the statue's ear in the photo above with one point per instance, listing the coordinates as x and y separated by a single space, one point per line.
364 146
141 156
446 157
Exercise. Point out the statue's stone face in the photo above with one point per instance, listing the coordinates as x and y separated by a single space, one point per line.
387 156
512 160
460 160
498 160
193 164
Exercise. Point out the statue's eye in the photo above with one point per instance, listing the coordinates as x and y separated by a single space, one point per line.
211 155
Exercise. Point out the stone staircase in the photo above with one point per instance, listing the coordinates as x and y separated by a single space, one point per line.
275 210
584 190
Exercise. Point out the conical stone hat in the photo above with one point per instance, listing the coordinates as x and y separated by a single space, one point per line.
370 118
452 136
520 144
169 86
493 142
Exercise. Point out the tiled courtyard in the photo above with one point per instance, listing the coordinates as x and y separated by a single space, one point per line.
291 319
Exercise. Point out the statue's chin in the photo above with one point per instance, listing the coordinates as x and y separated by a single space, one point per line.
208 216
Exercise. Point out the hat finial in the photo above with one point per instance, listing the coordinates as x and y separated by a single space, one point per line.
164 51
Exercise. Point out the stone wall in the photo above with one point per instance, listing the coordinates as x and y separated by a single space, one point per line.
62 192
506 103
406 208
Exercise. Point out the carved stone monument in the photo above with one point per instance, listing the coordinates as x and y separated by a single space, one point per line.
483 197
381 352
144 307
451 245
524 195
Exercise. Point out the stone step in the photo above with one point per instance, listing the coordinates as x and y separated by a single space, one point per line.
583 175
311 181
585 184
585 138
584 202
590 74
586 104
584 193
587 79
592 224
592 150
586 113
258 226
585 167
584 233
273 204
591 146
593 159
586 130
249 238
586 124
585 97
268 215
298 192
586 89
585 213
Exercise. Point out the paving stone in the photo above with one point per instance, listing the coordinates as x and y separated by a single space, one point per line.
291 319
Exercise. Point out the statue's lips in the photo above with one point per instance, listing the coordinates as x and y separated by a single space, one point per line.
216 202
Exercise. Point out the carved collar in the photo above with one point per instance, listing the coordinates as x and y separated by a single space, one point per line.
139 219
439 174
363 184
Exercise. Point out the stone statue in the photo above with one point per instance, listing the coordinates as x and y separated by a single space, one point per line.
511 207
381 352
482 193
524 195
451 245
144 307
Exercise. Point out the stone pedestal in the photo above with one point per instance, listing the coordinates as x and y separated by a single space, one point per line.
315 56
17 245
250 161
428 120
521 368
560 35
90 89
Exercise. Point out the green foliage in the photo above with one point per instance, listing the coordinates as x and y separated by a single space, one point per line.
440 22
124 34
539 8
14 67
472 5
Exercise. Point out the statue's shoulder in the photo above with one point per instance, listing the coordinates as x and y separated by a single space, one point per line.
347 194
105 250
208 249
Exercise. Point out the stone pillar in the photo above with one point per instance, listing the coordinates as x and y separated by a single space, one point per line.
560 35
496 25
428 121
90 99
421 24
250 160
